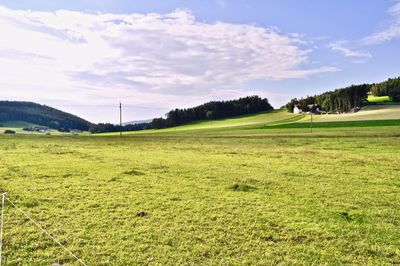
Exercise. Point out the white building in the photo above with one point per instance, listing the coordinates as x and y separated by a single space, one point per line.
297 110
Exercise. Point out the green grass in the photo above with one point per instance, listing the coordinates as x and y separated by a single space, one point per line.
18 126
279 119
367 113
270 118
378 99
338 124
243 195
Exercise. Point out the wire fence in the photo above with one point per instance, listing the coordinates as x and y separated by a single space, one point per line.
3 202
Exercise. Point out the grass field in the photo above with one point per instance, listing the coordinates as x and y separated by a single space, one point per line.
17 126
378 99
244 195
370 112
223 125
276 120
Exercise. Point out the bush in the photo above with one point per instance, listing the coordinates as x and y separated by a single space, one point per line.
9 131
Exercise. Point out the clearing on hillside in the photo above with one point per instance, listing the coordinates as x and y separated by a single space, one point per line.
16 126
378 99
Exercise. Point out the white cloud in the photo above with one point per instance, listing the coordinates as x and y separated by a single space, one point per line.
389 33
153 60
339 46
222 3
395 9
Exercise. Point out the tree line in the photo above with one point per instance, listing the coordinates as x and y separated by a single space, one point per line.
345 99
107 127
213 110
390 87
339 100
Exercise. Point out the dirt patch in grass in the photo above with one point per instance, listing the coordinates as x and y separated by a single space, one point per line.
242 187
133 172
142 214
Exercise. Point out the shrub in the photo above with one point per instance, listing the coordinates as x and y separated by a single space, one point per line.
9 131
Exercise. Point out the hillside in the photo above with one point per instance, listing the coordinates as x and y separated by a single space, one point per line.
222 125
369 112
268 122
16 126
40 115
214 110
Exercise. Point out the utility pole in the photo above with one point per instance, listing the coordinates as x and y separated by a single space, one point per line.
120 121
3 198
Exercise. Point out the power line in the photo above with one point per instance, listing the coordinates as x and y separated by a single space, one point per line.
3 197
38 226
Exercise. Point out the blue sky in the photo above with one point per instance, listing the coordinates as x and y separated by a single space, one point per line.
158 55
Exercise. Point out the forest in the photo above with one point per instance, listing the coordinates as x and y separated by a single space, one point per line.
340 100
41 115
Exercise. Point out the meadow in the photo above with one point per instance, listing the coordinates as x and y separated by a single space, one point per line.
234 196
15 125
370 112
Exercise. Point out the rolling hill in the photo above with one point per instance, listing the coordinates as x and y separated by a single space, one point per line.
371 115
33 113
369 112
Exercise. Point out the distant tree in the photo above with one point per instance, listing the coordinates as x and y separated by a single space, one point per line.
209 115
107 127
9 131
159 123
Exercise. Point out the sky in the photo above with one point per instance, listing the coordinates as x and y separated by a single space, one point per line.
86 56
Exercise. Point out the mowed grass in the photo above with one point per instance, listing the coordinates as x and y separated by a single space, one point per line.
369 112
378 99
261 198
17 126
371 115
267 118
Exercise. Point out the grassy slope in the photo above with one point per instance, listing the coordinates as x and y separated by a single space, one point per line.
369 116
370 112
270 118
378 99
17 126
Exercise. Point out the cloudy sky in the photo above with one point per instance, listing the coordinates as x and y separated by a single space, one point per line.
86 56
